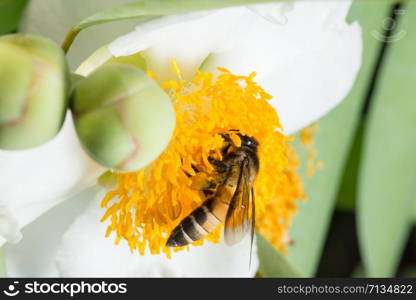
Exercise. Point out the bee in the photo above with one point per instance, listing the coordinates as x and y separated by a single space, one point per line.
232 203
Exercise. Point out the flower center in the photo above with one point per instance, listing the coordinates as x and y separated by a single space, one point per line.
147 205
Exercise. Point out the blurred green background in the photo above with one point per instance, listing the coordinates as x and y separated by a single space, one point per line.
359 218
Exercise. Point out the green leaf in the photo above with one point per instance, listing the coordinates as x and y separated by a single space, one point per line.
358 272
409 272
10 14
272 262
333 142
414 211
347 194
387 189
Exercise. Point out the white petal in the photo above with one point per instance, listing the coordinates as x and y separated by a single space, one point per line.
69 241
308 64
188 38
34 255
95 60
306 55
53 19
85 252
9 227
34 180
273 12
219 260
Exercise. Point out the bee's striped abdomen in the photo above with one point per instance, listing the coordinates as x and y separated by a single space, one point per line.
199 223
232 199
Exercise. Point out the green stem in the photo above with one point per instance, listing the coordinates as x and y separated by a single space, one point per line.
69 39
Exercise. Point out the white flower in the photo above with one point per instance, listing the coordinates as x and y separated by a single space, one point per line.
33 181
305 55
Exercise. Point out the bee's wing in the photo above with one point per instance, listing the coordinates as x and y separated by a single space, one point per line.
240 216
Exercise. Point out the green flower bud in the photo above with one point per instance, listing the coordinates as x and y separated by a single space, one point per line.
123 118
74 79
33 91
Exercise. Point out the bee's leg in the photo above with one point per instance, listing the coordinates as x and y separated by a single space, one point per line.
225 149
219 165
221 168
229 142
196 170
210 189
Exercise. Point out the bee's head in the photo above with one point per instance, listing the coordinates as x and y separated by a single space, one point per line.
248 141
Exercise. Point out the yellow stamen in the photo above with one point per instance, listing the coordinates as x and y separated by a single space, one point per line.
307 140
146 205
151 74
176 69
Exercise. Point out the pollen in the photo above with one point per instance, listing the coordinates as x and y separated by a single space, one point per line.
145 206
307 140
